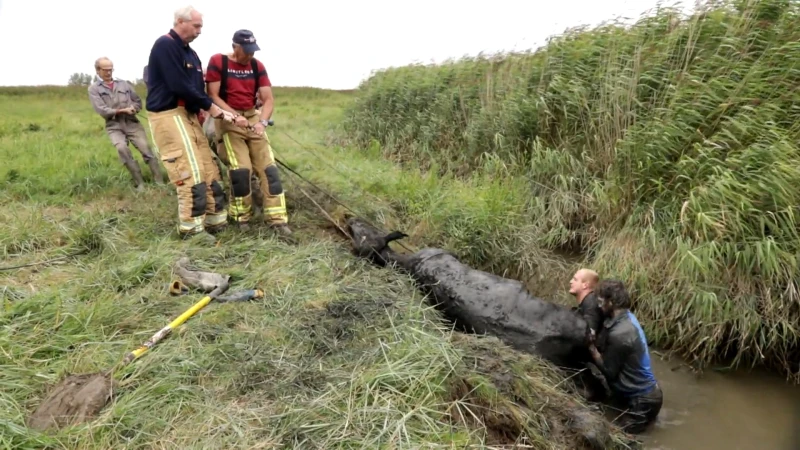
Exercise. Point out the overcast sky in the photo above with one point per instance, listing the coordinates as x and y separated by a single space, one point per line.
328 44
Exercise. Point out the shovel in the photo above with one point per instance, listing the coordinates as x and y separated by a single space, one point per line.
80 397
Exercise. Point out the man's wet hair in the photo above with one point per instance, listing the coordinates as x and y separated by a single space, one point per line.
614 292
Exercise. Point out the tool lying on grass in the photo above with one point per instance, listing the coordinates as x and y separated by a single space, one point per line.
80 397
207 282
178 288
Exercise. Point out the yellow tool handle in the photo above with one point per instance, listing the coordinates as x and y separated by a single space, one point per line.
190 312
172 325
167 329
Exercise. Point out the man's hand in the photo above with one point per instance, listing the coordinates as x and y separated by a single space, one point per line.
598 359
258 129
219 113
129 110
226 116
589 337
241 122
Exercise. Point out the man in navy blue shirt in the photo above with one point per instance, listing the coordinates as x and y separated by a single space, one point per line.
175 96
625 359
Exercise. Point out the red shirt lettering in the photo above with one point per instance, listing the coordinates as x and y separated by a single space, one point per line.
240 83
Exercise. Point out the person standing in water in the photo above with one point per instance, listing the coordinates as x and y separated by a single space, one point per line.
625 359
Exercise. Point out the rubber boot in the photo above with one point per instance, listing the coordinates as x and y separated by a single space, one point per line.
136 173
156 170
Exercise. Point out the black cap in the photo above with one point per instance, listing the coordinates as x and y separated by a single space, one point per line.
246 39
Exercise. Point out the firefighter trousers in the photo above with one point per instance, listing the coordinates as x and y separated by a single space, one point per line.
187 158
245 152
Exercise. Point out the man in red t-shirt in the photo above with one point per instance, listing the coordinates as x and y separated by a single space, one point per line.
234 81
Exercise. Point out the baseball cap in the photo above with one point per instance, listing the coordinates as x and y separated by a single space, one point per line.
246 39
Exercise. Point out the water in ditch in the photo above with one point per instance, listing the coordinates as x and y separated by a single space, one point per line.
740 410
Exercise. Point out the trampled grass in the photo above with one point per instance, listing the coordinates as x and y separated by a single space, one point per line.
339 354
665 150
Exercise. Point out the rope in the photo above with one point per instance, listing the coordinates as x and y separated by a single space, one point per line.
294 172
345 176
47 261
325 213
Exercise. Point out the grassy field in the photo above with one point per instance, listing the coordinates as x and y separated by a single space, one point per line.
339 354
665 151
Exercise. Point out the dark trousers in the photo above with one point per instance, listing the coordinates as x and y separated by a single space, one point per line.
640 411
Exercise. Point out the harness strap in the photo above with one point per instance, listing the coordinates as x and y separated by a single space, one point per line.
223 88
223 91
254 67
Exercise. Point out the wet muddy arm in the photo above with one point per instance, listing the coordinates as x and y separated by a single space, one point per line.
611 361
593 317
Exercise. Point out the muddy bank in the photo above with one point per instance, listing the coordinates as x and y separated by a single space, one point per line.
520 399
503 396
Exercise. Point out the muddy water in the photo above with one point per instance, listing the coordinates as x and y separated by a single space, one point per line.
730 411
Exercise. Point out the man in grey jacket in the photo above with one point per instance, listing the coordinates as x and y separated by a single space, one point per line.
117 102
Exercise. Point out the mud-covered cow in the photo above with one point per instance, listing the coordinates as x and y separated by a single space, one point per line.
481 302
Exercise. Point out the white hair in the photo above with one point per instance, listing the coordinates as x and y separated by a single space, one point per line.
184 13
99 60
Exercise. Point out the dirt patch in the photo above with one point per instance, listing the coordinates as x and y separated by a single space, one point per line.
76 399
326 333
331 328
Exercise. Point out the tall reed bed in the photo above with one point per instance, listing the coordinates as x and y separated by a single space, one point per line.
667 150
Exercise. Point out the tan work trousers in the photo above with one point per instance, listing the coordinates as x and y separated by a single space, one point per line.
244 152
125 131
187 158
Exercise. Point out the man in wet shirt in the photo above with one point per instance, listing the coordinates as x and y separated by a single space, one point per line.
624 359
581 286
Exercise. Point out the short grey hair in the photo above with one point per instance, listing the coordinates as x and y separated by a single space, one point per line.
99 60
184 13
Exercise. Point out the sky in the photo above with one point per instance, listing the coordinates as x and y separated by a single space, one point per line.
326 44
